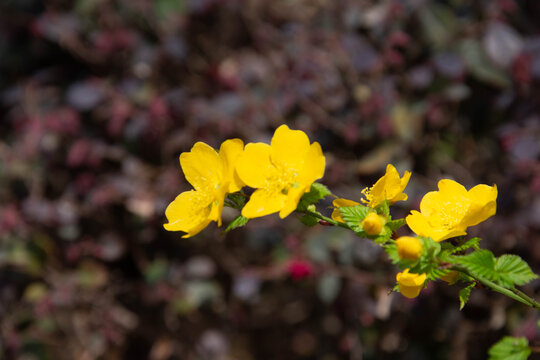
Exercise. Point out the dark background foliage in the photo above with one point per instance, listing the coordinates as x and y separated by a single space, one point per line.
99 97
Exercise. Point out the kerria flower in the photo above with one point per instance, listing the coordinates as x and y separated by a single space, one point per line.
280 172
212 174
389 187
409 248
372 224
451 210
410 284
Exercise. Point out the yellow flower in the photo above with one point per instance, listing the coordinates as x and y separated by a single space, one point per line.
281 172
409 248
448 212
389 187
336 215
212 175
410 284
372 224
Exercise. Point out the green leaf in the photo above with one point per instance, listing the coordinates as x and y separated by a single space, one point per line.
383 237
353 216
235 200
510 348
309 220
391 250
393 225
472 243
507 270
464 294
480 263
328 287
383 208
315 194
512 270
239 221
480 66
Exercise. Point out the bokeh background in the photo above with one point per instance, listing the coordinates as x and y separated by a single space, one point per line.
99 97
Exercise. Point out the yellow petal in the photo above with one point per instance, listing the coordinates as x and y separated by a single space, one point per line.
289 148
410 284
447 186
263 202
292 200
202 167
189 213
313 167
421 226
229 152
254 166
483 204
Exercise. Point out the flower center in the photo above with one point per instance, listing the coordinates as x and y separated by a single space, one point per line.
451 213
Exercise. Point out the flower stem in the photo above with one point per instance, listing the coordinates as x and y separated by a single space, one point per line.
511 293
325 218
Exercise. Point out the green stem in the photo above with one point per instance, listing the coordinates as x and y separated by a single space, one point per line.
511 293
327 219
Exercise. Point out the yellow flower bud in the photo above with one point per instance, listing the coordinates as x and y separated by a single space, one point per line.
409 248
410 284
451 278
372 224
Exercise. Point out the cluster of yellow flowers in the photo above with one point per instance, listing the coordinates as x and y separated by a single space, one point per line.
282 171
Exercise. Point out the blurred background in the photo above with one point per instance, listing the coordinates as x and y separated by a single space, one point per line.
99 97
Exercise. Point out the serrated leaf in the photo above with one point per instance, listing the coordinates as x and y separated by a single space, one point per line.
480 263
391 250
393 225
471 243
510 348
239 221
309 220
383 237
353 216
464 295
512 270
313 196
328 287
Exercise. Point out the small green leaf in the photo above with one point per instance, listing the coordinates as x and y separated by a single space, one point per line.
315 194
391 250
510 348
383 237
309 220
512 270
353 216
464 294
235 200
393 225
328 287
471 243
383 208
239 221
